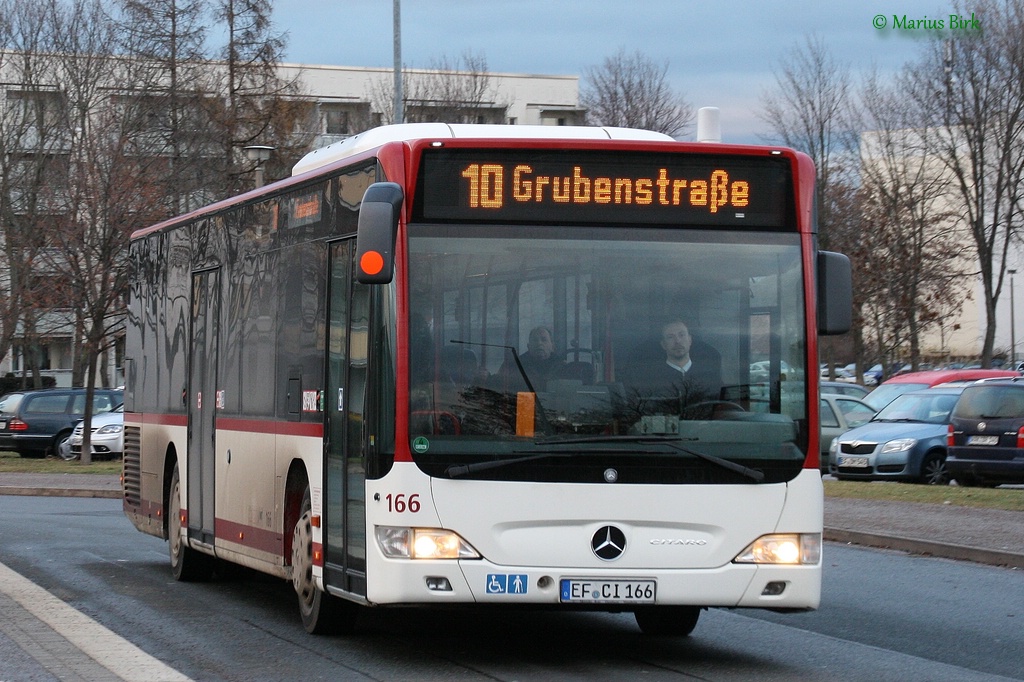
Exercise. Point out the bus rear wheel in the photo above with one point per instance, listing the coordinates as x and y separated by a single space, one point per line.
321 613
187 564
672 621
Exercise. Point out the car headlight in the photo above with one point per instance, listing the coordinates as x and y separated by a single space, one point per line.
899 445
110 428
423 543
782 548
833 447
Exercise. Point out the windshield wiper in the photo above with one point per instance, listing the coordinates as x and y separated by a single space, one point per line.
541 413
457 470
672 442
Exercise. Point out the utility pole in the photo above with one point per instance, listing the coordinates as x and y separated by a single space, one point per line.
399 113
1013 326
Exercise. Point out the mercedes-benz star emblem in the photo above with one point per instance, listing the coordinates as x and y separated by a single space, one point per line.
608 543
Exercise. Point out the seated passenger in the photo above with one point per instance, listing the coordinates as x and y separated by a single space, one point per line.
540 362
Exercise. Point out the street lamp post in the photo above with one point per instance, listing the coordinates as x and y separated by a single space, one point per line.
1013 325
259 153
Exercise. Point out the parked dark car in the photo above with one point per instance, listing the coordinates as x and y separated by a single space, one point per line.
986 435
905 441
34 423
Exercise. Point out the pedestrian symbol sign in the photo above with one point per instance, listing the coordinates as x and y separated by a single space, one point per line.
507 583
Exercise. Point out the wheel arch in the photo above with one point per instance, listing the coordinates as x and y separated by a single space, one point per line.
294 488
170 461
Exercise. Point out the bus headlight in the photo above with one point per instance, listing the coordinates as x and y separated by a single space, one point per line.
789 548
423 543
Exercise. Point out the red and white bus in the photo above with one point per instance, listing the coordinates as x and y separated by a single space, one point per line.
417 373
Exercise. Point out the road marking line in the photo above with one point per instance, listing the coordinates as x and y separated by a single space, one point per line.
112 651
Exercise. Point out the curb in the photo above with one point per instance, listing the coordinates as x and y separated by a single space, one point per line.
59 492
926 547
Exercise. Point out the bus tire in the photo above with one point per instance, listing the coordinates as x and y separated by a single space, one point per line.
322 614
187 564
671 621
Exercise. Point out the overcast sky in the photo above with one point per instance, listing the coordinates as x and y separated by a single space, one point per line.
721 53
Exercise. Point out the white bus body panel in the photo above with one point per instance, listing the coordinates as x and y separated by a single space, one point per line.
404 132
684 537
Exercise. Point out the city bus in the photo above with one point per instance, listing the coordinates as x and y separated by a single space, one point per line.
409 375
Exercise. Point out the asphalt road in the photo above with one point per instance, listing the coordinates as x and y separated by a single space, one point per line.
884 615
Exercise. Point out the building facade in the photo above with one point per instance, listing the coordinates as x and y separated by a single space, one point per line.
346 101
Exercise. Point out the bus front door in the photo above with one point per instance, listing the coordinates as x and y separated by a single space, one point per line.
202 403
345 470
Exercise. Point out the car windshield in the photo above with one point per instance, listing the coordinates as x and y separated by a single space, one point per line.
526 340
923 406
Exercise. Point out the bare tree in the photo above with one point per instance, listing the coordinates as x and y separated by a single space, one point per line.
631 90
106 189
972 90
33 145
921 277
808 111
252 104
460 90
165 40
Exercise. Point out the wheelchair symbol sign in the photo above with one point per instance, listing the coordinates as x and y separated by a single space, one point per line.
507 583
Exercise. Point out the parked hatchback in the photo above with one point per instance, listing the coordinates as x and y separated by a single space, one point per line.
905 441
986 435
33 423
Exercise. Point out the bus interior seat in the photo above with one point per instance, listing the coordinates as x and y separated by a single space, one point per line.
459 364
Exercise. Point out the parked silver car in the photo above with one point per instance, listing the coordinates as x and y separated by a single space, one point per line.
839 414
107 436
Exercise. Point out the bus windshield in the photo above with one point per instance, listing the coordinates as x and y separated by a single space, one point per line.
644 355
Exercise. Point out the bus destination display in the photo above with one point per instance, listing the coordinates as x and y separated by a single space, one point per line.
603 187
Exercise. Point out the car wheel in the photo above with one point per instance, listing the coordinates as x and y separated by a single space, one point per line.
669 621
322 614
933 469
63 448
187 564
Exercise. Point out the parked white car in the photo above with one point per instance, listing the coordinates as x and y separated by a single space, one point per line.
107 436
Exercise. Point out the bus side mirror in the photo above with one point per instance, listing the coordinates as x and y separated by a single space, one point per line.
835 293
378 227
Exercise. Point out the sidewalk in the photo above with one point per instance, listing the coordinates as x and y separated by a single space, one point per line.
985 536
61 485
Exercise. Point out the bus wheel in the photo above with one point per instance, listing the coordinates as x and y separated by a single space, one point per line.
676 621
187 564
321 613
